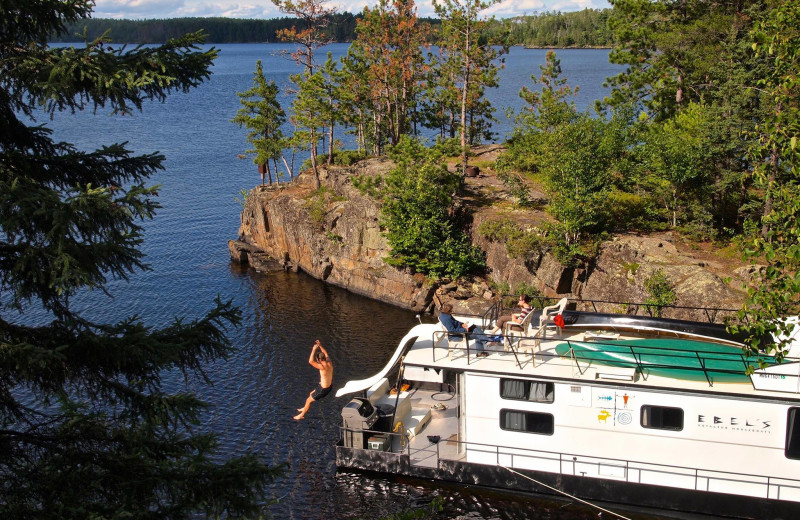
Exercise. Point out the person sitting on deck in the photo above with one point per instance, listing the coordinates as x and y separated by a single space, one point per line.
458 329
514 318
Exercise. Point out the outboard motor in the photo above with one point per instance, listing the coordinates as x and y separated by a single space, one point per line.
357 415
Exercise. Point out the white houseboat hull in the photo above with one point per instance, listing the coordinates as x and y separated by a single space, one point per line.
527 419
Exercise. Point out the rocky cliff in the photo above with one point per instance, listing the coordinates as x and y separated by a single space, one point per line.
334 235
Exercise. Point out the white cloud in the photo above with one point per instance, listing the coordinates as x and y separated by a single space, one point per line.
520 7
140 9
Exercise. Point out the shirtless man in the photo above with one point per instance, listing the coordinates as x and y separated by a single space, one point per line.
320 360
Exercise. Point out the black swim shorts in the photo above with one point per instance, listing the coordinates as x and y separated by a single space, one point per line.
320 392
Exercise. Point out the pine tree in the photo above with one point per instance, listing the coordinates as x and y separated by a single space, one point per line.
315 17
86 429
469 55
388 40
263 115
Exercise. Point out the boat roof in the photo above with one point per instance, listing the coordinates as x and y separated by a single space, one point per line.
423 347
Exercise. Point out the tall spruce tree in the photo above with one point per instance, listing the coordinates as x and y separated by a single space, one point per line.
86 428
263 115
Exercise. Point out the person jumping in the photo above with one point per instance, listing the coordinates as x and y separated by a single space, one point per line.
320 360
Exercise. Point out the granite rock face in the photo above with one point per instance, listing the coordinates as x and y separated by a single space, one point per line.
335 236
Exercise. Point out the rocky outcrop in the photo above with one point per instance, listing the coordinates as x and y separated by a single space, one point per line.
625 263
334 235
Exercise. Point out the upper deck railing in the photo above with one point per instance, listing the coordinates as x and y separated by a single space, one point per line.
714 315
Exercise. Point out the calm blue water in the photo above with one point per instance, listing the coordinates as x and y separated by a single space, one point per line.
256 392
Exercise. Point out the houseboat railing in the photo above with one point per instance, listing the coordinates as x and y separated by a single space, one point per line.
403 439
636 354
633 471
644 359
572 463
653 310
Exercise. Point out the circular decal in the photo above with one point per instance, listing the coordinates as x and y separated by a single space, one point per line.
624 418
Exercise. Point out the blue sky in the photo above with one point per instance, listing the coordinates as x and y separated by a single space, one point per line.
139 9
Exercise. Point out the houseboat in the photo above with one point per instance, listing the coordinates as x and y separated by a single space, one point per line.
633 410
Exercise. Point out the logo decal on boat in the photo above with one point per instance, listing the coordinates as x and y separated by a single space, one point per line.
734 423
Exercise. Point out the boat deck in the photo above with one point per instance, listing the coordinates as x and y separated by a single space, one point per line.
424 449
538 357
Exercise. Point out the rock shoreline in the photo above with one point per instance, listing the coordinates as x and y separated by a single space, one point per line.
282 227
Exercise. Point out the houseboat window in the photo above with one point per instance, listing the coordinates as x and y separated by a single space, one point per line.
793 434
528 422
522 390
662 417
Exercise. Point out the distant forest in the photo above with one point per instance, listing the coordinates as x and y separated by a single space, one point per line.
341 28
585 28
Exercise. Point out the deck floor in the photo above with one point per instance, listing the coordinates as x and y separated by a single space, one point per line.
443 424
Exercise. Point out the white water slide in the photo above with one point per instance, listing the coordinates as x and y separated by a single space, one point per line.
424 330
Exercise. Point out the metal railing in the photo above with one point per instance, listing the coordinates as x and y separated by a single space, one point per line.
633 471
571 464
652 310
645 359
353 433
440 335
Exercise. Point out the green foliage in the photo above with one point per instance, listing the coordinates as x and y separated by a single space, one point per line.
527 244
346 157
690 66
87 428
578 162
660 291
263 116
677 153
369 185
467 64
530 290
777 173
586 28
449 147
243 200
579 158
516 187
631 267
519 243
317 204
502 287
417 214
497 230
630 211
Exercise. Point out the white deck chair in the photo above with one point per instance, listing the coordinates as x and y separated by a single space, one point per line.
510 327
548 313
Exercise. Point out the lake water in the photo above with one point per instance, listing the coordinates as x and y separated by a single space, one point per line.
256 392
